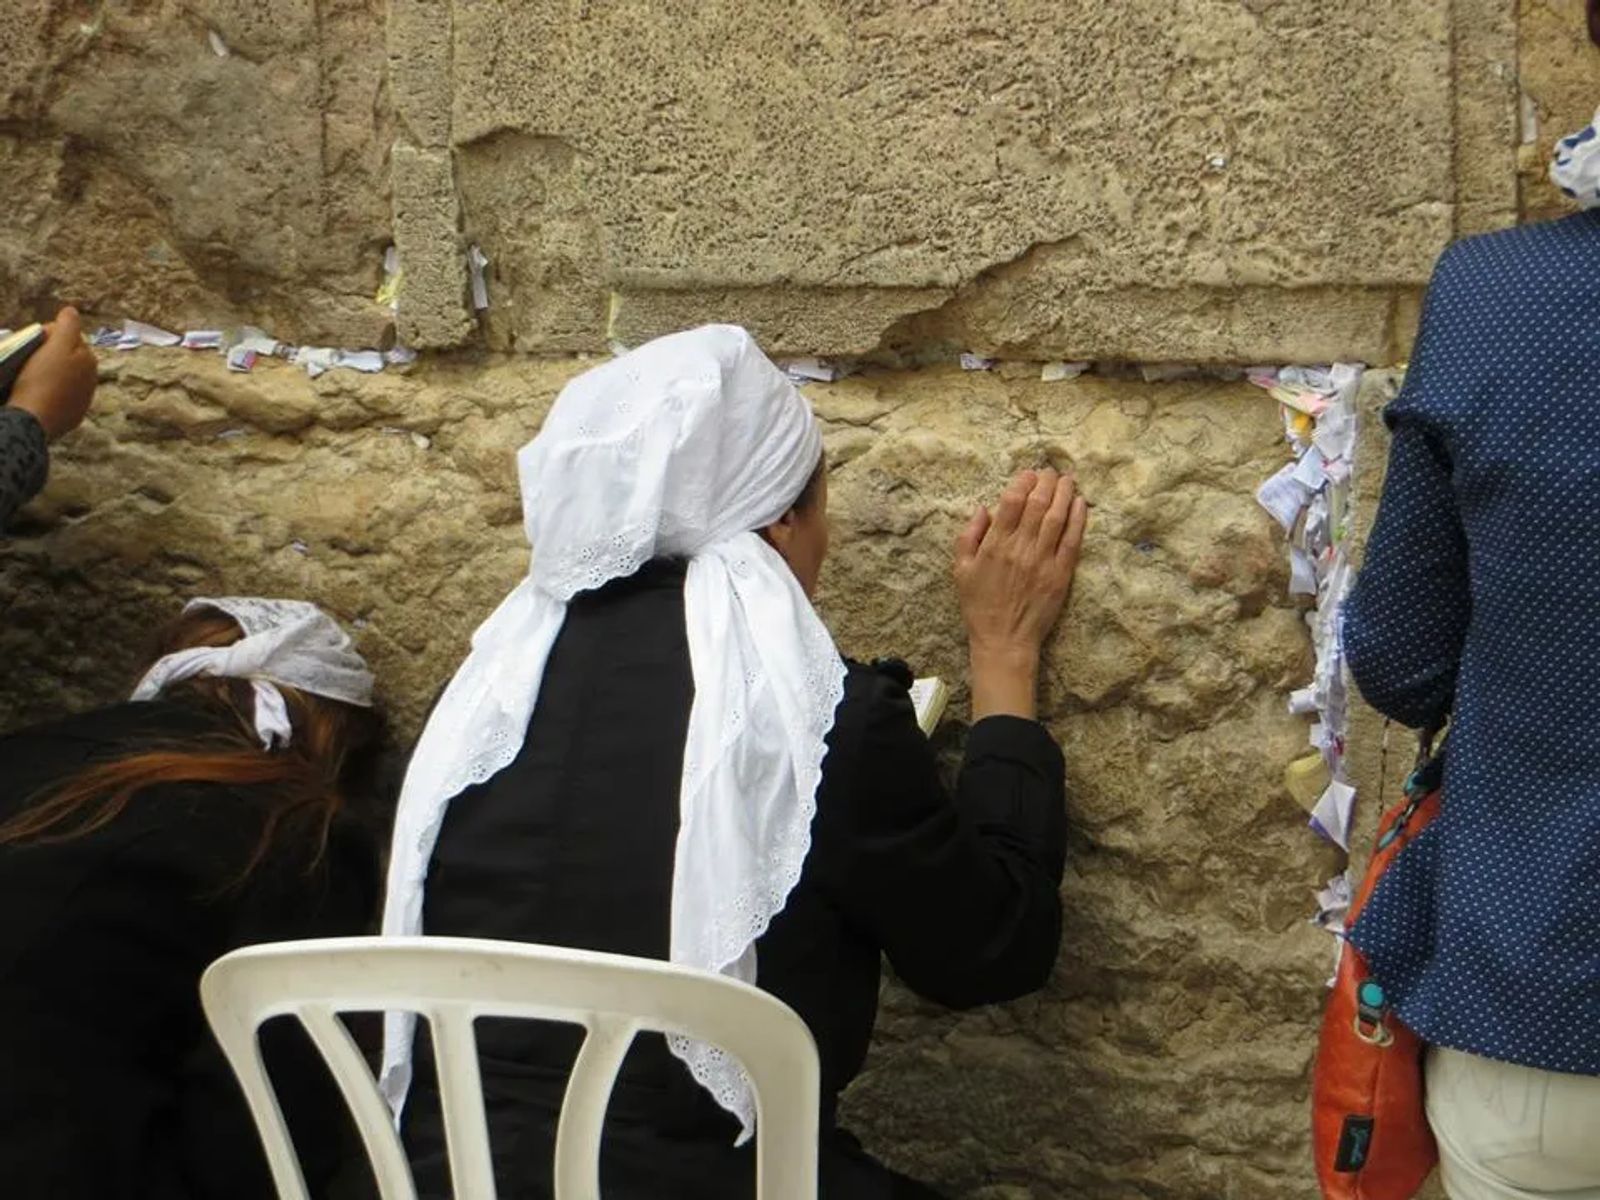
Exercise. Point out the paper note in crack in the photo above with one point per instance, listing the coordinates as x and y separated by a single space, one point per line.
476 262
1331 816
1302 573
147 335
1283 496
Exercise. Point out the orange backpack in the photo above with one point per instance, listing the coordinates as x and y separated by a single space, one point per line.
1369 1129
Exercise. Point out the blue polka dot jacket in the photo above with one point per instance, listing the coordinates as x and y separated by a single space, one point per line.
1480 594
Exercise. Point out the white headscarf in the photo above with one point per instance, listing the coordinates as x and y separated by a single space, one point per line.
286 642
682 447
1575 165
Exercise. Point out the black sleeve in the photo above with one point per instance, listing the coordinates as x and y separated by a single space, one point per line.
963 895
24 461
281 902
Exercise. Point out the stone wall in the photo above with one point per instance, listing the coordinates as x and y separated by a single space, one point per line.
1208 181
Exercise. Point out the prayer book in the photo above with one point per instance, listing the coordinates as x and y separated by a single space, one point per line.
929 695
14 351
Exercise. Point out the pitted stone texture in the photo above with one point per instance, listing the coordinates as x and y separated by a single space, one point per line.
1169 1055
433 311
1560 76
824 148
148 176
1484 37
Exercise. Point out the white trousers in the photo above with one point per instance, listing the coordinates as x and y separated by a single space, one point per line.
1513 1133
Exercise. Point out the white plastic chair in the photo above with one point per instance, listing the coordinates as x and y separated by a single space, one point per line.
452 981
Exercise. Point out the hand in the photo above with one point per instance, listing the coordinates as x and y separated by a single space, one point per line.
57 382
1013 572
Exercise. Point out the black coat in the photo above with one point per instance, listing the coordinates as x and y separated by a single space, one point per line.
111 1086
572 844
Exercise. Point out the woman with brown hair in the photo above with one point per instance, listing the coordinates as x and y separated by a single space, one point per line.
232 801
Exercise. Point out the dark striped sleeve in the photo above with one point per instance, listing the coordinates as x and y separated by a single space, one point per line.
24 461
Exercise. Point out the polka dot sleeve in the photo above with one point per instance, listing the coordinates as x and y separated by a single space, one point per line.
1406 621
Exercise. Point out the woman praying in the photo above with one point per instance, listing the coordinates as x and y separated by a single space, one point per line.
655 749
230 802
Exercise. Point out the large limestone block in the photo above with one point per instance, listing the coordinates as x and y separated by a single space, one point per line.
148 175
1169 1054
1086 156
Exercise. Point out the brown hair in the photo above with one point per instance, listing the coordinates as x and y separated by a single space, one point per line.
310 782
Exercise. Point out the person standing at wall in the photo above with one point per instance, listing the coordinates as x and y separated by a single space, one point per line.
1480 598
655 749
50 397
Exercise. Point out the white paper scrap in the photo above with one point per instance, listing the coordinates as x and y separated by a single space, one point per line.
975 362
815 370
476 262
1302 573
1336 434
315 359
368 361
1331 816
257 340
1316 379
1283 496
1310 471
1056 372
389 289
201 339
218 46
1303 701
1333 902
148 335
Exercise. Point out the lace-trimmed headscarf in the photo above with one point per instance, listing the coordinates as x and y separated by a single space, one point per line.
287 642
682 447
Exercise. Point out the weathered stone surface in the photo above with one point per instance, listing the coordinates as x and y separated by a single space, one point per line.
1484 40
1560 77
1169 1054
1103 154
147 175
433 311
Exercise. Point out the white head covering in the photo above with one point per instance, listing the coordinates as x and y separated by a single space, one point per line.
682 447
286 642
1575 164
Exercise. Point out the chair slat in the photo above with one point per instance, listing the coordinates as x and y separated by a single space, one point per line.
360 1091
583 1113
455 1055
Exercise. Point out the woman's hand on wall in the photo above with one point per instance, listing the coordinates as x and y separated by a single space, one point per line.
1013 571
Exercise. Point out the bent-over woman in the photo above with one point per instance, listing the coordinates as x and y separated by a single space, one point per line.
655 749
230 802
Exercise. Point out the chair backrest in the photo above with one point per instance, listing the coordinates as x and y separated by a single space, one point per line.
451 982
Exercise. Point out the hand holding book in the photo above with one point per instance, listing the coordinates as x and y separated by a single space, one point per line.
51 373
